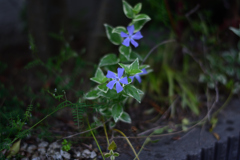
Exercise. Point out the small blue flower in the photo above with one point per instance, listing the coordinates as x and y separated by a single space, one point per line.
117 80
131 36
137 76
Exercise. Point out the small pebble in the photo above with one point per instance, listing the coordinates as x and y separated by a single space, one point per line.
23 147
42 150
65 154
77 154
43 144
93 154
31 148
35 156
54 145
86 153
57 156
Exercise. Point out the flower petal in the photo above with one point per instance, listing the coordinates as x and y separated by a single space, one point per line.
134 43
144 71
138 78
120 72
126 42
124 80
124 34
130 30
137 35
131 77
119 88
110 74
111 84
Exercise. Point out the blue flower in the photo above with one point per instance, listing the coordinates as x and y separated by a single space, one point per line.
131 36
137 76
117 80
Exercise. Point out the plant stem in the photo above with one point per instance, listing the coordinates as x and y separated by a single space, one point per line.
224 105
164 42
144 143
128 142
95 139
105 131
43 119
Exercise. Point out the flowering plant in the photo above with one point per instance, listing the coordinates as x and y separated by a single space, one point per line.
113 89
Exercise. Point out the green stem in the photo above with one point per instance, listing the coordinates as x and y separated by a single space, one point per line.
144 143
95 139
128 142
105 131
43 119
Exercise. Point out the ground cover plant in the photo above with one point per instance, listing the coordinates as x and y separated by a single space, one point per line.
118 85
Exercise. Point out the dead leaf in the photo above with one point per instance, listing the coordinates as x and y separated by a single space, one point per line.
14 149
216 136
134 129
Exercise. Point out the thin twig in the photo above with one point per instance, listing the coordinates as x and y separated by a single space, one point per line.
215 102
150 130
161 135
187 133
164 42
204 71
164 115
192 11
84 131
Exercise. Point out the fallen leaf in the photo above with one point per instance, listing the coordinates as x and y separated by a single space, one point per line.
14 149
216 136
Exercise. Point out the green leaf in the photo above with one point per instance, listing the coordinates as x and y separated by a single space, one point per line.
111 94
107 155
144 66
129 80
125 51
160 130
123 59
141 17
125 117
103 87
99 77
185 121
139 21
93 94
117 111
97 121
112 146
108 59
111 152
106 112
115 154
131 91
119 29
235 30
115 38
131 69
128 10
221 78
112 158
137 8
139 91
135 55
112 124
